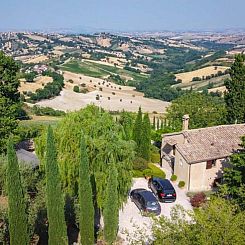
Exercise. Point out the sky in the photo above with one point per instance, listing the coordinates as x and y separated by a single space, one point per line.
124 15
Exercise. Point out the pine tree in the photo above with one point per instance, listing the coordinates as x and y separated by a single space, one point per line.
154 123
146 137
111 208
17 208
235 97
85 199
137 132
54 196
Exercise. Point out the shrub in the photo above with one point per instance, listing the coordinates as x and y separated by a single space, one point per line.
181 184
70 81
76 89
140 163
155 157
198 199
84 90
157 172
173 177
147 172
41 111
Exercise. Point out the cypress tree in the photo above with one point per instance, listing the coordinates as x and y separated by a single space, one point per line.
146 137
54 196
17 208
85 199
158 123
235 97
154 123
161 124
111 207
137 131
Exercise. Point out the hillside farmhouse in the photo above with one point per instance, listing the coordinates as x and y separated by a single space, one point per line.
199 156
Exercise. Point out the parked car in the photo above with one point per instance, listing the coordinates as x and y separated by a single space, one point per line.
163 189
145 201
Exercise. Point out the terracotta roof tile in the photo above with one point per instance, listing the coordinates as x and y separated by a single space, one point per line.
209 143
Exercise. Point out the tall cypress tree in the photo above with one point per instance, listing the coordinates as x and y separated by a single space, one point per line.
85 199
17 207
54 196
158 123
154 123
162 125
111 207
137 131
146 137
235 97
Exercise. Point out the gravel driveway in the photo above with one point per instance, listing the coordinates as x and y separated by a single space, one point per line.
130 219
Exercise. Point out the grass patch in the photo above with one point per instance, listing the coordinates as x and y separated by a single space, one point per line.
46 122
156 172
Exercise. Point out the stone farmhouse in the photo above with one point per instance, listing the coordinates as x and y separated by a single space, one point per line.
199 156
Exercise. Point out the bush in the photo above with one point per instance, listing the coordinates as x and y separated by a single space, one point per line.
157 172
140 163
84 90
181 184
147 172
76 89
198 199
173 177
48 111
151 170
155 157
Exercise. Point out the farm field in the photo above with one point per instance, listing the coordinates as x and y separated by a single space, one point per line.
113 97
200 85
99 70
36 59
187 77
39 82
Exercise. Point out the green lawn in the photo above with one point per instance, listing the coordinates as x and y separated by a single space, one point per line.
44 122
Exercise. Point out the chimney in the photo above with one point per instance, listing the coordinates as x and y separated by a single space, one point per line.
185 120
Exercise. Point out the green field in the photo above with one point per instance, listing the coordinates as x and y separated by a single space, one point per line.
100 71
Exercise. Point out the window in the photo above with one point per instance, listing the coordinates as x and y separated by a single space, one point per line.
181 162
210 164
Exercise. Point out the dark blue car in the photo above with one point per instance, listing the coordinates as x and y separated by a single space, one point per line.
163 189
145 201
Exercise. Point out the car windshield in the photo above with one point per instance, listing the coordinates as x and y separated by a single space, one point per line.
169 191
151 204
